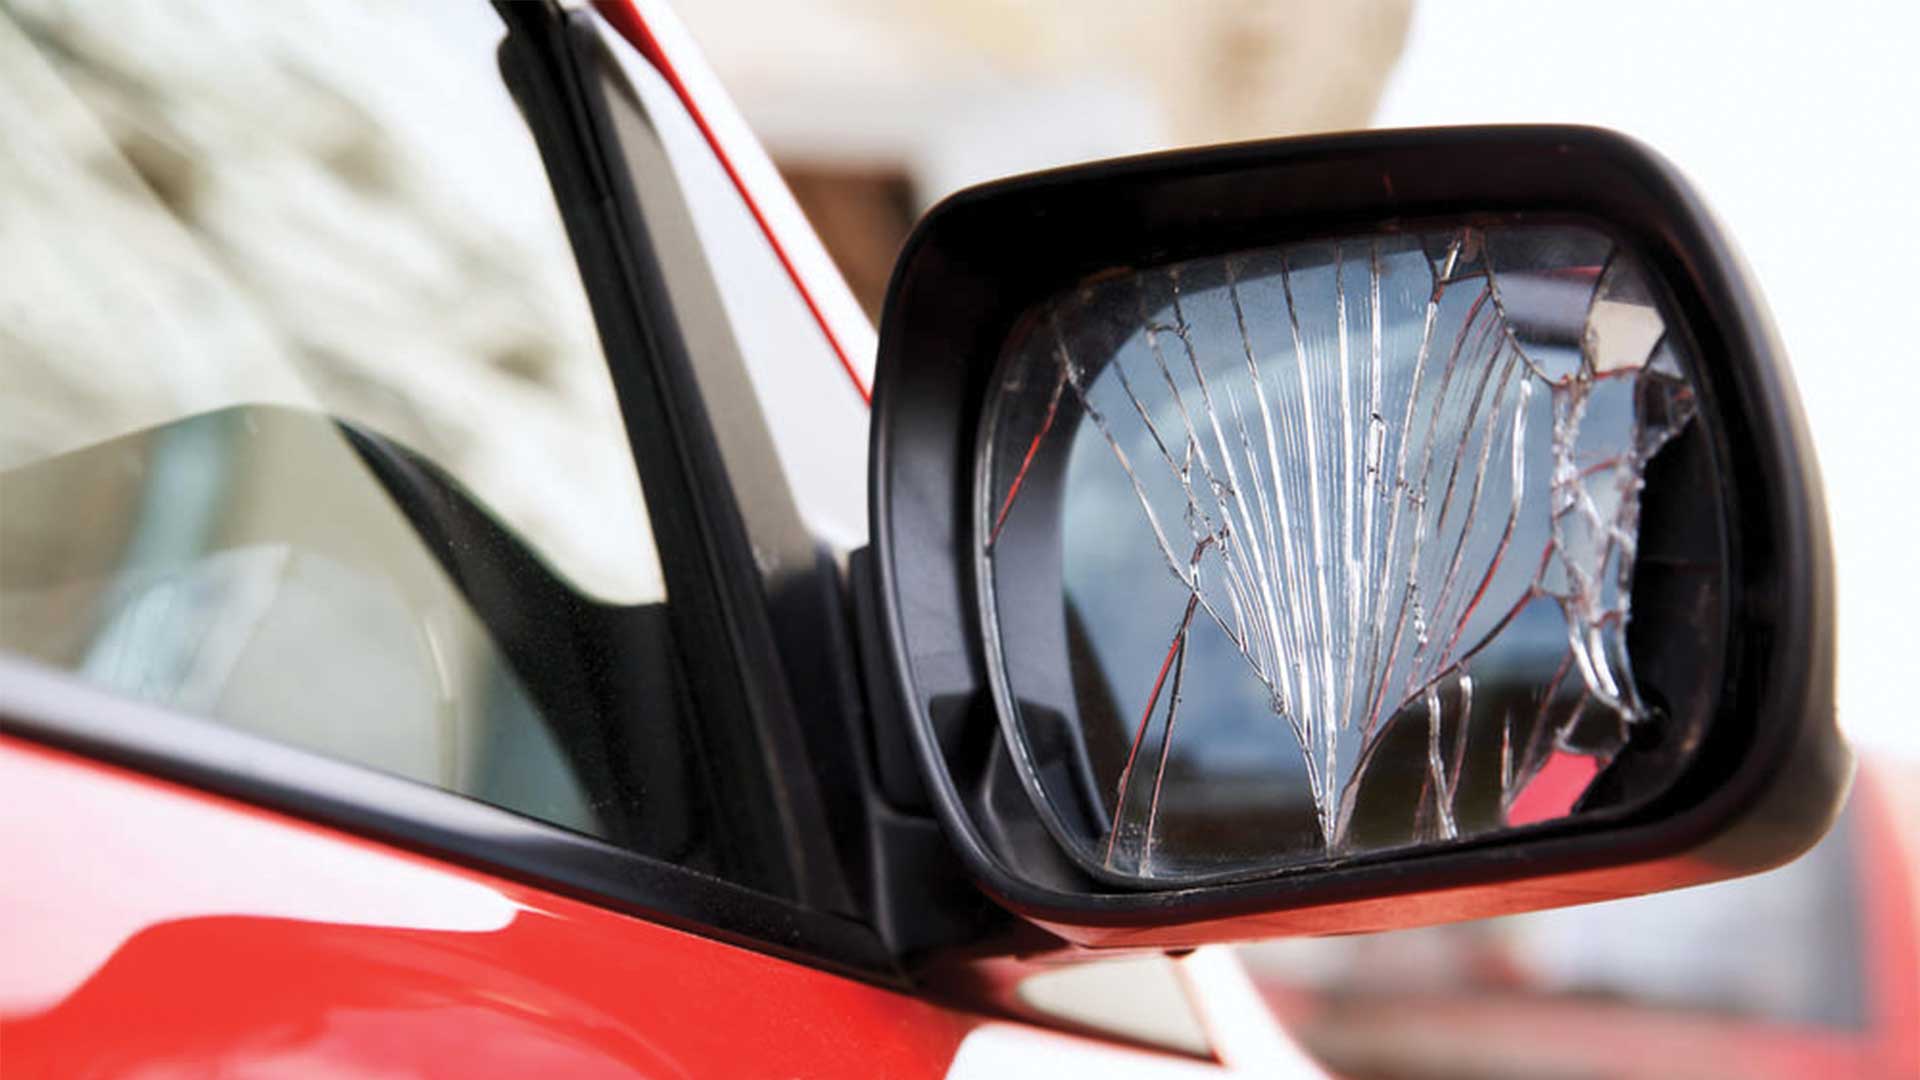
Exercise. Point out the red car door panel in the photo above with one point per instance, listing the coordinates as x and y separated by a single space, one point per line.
164 930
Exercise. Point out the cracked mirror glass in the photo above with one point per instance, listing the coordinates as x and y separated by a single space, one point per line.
1308 552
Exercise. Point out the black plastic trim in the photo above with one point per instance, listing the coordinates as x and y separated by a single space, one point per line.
556 68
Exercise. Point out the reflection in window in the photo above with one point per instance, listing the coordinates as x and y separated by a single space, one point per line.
255 572
305 427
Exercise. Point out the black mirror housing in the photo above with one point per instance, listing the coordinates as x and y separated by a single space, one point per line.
1765 770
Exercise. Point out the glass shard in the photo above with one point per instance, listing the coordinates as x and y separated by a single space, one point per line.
1360 514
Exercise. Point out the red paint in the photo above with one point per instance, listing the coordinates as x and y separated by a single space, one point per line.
626 19
151 928
1026 462
1174 649
1554 789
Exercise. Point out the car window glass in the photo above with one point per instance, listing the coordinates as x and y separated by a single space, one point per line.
305 426
334 206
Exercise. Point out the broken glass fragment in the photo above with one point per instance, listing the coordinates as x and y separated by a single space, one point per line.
1309 551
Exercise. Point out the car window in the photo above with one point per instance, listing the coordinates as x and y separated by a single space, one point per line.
237 205
305 426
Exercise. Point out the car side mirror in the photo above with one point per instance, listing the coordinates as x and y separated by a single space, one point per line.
1348 533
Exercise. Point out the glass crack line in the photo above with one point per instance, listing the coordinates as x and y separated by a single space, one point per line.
1026 460
1354 495
1176 650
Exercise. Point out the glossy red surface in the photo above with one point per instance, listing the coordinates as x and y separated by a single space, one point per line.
154 930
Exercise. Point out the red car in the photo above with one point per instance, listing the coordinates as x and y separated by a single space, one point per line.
443 636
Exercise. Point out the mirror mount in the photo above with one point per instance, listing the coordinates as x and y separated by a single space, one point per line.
1769 770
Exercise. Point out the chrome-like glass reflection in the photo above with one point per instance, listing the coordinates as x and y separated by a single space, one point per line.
1346 534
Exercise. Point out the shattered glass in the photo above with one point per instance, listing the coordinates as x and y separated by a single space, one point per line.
1314 550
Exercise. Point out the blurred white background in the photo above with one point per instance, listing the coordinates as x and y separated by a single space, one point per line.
1801 124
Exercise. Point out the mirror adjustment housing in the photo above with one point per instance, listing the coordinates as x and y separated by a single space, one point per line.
1431 281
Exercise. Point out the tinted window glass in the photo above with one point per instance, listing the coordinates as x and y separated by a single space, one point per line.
305 426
